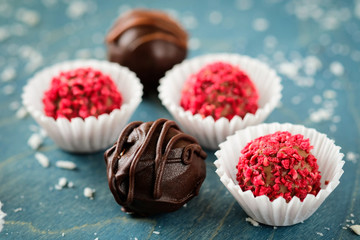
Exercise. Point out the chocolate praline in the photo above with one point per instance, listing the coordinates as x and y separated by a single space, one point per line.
154 167
148 42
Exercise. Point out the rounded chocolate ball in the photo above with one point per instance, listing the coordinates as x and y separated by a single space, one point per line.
154 167
148 42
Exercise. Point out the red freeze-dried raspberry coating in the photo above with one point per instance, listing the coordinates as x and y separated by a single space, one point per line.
219 90
81 92
279 165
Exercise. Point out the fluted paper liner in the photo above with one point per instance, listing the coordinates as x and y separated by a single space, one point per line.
2 216
278 212
208 131
90 134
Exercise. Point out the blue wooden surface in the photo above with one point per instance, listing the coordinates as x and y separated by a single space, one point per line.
273 30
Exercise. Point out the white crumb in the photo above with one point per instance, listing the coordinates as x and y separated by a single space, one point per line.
252 221
8 89
21 113
352 157
49 3
63 234
215 17
83 53
89 192
185 205
260 24
42 159
352 221
344 228
4 34
244 5
275 227
76 9
189 21
329 94
8 74
96 239
337 68
62 182
311 65
327 228
194 43
43 132
320 234
156 232
35 141
352 215
321 114
18 210
66 164
317 99
270 42
33 58
70 185
288 69
14 105
2 216
29 17
356 229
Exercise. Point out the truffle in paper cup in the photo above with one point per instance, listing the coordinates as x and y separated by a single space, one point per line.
279 212
208 131
90 134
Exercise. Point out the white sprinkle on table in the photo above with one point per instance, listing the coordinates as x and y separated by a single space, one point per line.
252 221
8 89
337 68
18 209
260 24
156 232
21 113
66 164
42 159
35 141
8 74
89 192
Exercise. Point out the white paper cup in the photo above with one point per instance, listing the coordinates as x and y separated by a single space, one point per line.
278 212
2 216
90 134
208 131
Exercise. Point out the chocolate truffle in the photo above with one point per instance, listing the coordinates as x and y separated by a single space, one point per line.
219 89
279 165
148 42
154 167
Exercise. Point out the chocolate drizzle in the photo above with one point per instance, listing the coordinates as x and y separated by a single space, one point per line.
158 152
148 42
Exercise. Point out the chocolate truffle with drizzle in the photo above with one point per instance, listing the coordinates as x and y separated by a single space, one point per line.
154 167
148 42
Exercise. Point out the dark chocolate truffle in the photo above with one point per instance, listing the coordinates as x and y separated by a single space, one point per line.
154 167
148 42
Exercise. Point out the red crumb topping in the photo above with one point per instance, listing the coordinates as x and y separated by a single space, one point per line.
219 90
279 165
82 92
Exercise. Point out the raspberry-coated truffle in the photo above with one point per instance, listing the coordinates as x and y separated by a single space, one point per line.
279 165
154 167
219 89
148 42
81 92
